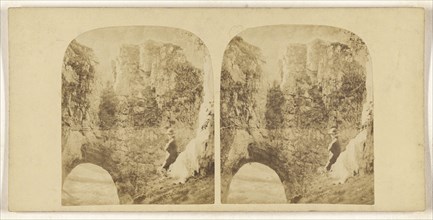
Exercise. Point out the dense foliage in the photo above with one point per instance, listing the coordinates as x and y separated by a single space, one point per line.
144 110
274 108
183 102
108 108
240 76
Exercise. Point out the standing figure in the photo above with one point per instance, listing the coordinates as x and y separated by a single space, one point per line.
171 149
334 148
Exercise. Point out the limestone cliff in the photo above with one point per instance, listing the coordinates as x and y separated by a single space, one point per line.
326 71
160 71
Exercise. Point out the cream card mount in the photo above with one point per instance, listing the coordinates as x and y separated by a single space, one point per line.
151 109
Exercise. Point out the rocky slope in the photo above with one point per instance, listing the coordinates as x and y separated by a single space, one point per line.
356 190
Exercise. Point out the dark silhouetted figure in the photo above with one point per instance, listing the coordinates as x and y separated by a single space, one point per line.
172 150
334 148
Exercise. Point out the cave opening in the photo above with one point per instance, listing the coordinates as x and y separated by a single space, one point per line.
89 184
256 183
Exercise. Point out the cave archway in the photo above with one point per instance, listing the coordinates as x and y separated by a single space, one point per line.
256 183
250 149
89 184
98 155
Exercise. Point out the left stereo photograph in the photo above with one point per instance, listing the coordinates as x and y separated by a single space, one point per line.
137 118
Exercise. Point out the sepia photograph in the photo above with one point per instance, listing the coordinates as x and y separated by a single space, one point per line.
137 118
216 110
297 117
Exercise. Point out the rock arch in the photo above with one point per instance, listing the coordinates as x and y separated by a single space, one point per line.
249 149
79 149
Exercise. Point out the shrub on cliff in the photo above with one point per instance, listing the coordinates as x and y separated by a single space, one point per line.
240 78
78 72
144 111
108 108
274 112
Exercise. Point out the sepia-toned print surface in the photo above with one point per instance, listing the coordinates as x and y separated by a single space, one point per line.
297 117
137 118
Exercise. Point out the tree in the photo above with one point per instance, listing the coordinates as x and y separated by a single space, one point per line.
274 112
144 110
108 108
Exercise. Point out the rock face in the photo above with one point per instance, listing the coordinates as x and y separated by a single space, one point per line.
151 64
293 66
322 85
159 73
326 71
316 51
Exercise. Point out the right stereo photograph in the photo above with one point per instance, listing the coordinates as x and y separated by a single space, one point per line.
297 117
